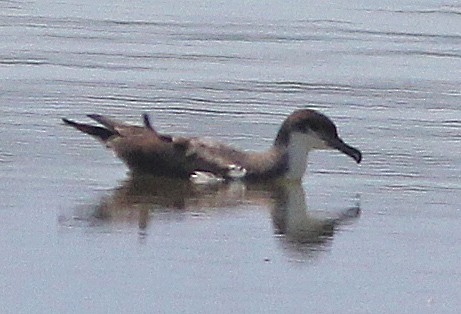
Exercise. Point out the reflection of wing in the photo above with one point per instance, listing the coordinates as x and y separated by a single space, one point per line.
145 200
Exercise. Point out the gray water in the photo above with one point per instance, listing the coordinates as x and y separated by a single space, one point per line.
78 236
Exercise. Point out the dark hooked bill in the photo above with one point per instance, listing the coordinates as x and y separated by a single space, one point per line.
346 149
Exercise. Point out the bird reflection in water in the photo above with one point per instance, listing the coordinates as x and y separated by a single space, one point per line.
140 199
303 231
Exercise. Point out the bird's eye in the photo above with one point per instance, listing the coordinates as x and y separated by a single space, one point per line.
303 127
314 127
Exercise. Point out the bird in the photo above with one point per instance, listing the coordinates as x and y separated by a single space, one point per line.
145 151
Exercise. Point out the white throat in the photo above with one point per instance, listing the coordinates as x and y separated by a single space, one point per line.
299 146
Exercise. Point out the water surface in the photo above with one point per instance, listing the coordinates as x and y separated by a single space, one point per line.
78 235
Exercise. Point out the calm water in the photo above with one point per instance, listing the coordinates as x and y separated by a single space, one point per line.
77 235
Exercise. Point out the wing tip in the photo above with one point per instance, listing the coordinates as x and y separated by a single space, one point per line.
101 133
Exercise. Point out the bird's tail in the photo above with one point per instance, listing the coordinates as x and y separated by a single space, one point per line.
100 133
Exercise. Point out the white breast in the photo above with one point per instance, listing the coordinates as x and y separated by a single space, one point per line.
298 148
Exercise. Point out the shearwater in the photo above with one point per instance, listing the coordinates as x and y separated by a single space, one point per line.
148 152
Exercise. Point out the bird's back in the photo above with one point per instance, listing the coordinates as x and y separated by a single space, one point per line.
147 152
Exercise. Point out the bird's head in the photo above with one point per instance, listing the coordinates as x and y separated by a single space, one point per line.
313 130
